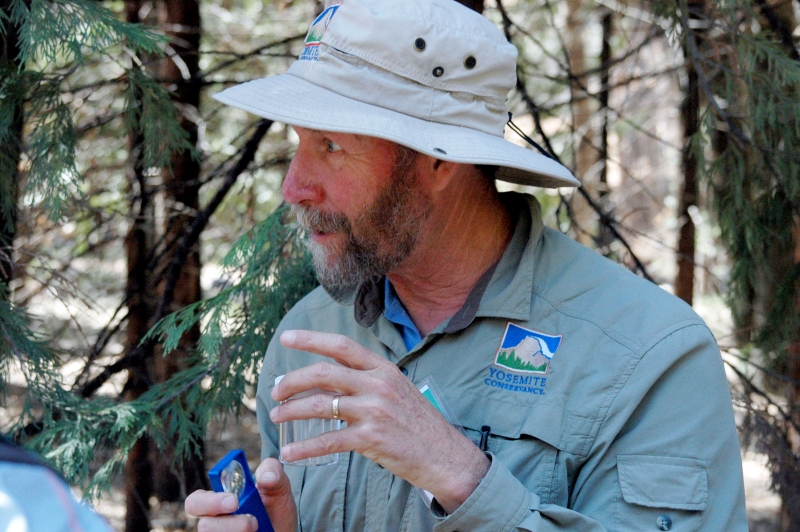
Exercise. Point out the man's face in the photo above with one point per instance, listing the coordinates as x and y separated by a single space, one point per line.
366 216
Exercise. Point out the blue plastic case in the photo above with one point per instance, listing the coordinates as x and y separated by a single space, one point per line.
250 501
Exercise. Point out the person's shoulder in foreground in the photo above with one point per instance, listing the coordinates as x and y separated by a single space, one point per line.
35 498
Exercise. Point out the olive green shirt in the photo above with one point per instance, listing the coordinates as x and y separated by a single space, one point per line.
622 420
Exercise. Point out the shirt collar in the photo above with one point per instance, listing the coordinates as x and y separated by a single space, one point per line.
511 288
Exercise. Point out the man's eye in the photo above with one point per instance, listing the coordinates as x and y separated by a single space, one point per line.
332 146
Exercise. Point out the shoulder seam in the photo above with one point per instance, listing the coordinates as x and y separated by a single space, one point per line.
631 367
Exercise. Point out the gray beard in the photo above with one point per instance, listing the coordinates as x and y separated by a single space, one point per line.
378 240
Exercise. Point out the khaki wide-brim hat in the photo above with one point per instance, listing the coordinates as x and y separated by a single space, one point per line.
432 75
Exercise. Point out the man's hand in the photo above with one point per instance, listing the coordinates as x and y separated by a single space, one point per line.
276 494
388 420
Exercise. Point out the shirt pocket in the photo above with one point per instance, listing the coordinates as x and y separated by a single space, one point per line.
527 446
662 493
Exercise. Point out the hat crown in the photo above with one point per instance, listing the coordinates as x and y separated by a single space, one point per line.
432 75
432 59
385 33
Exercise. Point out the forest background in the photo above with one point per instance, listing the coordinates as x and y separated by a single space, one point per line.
145 257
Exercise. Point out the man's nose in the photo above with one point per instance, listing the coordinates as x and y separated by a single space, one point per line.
301 184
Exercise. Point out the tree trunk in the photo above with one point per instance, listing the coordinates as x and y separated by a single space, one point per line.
584 217
690 111
779 16
150 470
684 281
180 71
10 151
141 304
790 511
604 235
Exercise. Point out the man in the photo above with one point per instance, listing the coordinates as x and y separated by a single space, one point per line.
591 399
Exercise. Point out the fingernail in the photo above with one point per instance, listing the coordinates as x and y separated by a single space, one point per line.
230 503
253 523
268 477
272 412
288 336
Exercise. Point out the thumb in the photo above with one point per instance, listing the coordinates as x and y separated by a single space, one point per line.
276 494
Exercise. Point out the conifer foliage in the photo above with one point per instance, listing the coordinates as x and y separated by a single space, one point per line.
76 79
85 435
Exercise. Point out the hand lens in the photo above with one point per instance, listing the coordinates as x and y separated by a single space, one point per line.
232 478
232 475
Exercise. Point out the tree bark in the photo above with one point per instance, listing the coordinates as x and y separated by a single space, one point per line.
584 217
790 507
139 294
10 151
180 71
684 281
690 112
604 235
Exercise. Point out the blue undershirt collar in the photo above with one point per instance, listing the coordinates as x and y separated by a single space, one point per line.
395 312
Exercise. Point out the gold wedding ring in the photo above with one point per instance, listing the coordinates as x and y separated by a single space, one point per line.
335 407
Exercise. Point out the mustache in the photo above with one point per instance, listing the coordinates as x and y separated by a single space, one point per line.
318 221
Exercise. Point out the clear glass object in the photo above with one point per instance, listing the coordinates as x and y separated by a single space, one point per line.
232 479
304 429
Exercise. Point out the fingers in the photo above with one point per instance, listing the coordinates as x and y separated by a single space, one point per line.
276 494
319 406
213 508
208 503
336 346
335 441
322 375
348 378
228 523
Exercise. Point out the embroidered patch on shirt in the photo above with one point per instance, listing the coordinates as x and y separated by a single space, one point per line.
522 351
526 351
315 32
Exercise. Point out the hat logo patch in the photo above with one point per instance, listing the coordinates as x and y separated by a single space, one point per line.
315 32
526 351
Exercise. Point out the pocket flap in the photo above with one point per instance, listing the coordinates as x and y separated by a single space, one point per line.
543 422
664 481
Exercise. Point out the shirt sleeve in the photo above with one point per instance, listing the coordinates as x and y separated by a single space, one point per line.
666 456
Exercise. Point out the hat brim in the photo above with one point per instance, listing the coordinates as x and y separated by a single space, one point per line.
292 100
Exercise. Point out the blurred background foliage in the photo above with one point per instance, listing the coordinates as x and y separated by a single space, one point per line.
145 259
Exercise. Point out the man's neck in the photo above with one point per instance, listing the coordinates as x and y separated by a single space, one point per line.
466 239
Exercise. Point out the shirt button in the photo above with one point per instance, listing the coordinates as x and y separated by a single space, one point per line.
663 522
405 371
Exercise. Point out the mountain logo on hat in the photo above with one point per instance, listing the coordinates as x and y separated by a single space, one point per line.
525 350
315 32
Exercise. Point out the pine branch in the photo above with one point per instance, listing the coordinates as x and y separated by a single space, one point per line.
251 53
201 220
188 240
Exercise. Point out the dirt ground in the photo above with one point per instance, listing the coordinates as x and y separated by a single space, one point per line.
762 504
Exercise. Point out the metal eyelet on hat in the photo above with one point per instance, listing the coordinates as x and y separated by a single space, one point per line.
438 71
419 44
470 62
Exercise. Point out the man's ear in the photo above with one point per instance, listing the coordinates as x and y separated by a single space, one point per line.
438 173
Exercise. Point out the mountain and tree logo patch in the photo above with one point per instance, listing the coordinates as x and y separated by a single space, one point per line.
315 32
525 350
